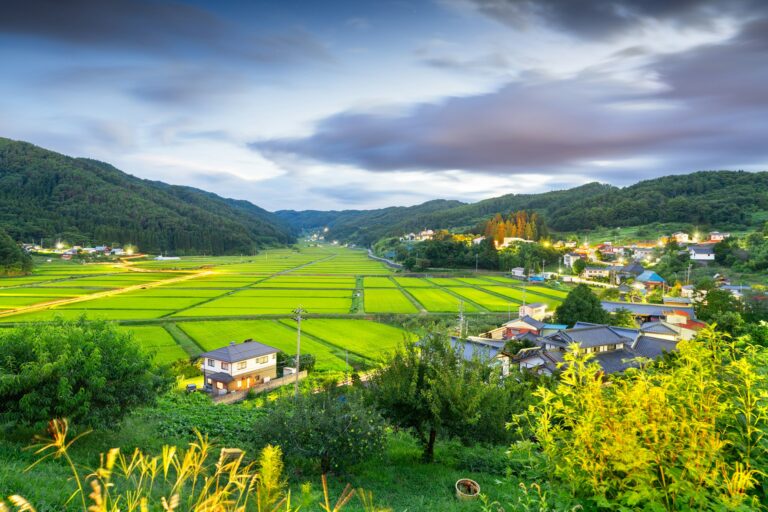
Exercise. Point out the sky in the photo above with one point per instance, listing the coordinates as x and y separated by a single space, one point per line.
336 104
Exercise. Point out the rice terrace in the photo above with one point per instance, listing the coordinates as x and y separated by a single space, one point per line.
355 306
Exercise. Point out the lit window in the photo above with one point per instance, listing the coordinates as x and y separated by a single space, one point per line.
262 360
211 362
241 365
239 383
225 366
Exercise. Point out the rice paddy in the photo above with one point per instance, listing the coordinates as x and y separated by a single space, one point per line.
202 303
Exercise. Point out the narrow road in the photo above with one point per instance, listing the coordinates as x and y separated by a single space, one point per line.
100 295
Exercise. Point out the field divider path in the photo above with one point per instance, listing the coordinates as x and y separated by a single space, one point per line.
187 344
101 295
288 270
323 341
410 297
464 299
216 297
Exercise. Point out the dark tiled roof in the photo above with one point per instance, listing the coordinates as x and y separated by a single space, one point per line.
652 347
659 328
616 360
235 352
221 377
532 322
595 336
470 349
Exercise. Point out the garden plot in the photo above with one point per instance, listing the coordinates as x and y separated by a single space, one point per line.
382 300
215 334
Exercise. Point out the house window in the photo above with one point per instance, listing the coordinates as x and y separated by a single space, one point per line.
225 366
211 362
239 383
241 365
219 385
262 360
210 381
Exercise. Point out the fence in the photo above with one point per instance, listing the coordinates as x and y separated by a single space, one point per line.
237 396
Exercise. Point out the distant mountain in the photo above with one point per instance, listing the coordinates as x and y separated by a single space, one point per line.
48 195
725 199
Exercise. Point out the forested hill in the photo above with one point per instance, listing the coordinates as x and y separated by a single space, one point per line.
721 199
367 226
45 194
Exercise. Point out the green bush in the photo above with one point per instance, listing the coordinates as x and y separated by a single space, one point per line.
89 372
332 429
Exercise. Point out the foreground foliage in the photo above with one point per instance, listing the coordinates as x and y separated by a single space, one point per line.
332 429
184 480
686 434
88 371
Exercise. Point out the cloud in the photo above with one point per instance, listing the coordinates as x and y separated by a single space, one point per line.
598 19
154 28
707 109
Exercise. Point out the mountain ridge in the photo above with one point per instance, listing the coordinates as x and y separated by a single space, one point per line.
44 194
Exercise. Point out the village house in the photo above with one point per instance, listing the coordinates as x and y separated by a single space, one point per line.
701 252
517 272
239 366
650 279
680 237
509 240
716 236
593 272
652 312
570 258
536 310
615 349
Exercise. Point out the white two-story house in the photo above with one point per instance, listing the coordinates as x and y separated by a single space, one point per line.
239 366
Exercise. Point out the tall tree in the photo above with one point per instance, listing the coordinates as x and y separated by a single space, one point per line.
581 305
430 389
13 260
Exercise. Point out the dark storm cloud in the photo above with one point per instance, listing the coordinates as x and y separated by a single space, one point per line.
152 27
606 18
713 111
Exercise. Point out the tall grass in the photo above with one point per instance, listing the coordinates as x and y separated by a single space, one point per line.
194 480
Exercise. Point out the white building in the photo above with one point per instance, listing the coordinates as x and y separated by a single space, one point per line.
239 366
701 253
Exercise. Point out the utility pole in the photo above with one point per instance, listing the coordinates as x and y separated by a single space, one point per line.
477 256
461 319
298 312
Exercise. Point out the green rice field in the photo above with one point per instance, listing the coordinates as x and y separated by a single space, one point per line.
202 303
